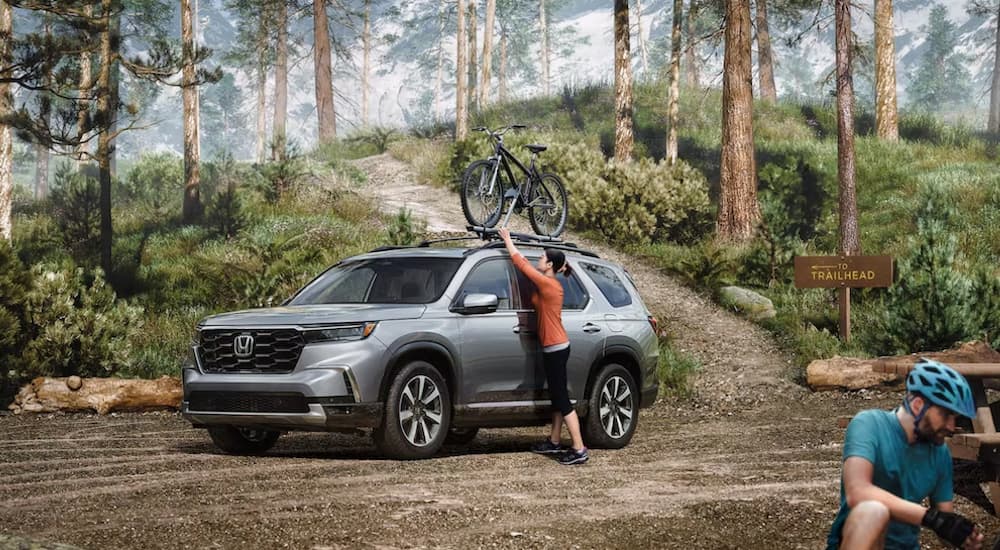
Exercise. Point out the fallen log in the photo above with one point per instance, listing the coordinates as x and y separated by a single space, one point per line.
102 395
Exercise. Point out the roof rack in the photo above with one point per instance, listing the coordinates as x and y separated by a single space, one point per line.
568 247
490 235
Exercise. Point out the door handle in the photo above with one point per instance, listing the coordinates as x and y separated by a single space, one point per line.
519 330
590 327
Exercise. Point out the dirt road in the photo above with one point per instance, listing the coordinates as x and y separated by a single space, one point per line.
751 462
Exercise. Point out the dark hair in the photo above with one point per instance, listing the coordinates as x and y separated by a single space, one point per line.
558 260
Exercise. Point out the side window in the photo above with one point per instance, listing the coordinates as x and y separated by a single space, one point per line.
574 295
609 283
490 277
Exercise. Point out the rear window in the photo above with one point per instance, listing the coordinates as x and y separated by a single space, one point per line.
381 281
574 295
611 286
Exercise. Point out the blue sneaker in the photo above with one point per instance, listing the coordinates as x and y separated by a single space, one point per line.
573 456
547 447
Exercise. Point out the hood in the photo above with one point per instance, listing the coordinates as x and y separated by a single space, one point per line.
314 315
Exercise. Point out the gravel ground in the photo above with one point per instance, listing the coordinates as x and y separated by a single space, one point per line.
753 461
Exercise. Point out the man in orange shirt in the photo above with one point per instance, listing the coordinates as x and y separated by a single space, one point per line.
548 300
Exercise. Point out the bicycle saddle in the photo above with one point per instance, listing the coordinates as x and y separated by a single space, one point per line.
536 148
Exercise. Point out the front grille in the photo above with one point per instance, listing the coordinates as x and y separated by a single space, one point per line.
272 351
245 402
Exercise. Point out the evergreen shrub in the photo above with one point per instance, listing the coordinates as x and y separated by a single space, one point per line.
75 325
632 202
76 211
156 184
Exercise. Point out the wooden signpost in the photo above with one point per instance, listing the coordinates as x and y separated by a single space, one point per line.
843 273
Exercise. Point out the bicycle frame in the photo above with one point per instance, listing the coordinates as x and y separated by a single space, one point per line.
518 193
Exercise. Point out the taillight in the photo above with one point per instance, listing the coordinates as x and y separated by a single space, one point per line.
653 323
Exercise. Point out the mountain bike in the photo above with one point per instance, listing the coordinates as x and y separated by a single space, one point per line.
489 183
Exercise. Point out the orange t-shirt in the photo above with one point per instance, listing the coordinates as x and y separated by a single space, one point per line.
548 300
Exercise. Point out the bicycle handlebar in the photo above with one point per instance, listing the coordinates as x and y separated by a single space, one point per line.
500 132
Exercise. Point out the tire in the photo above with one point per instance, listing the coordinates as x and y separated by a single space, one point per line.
417 413
613 410
461 436
548 208
242 441
479 209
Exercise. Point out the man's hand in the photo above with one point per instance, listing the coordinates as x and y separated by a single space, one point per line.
953 528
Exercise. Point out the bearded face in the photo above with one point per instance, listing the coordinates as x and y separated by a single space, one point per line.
936 425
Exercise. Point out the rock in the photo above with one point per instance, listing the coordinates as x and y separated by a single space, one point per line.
98 394
74 383
752 305
846 373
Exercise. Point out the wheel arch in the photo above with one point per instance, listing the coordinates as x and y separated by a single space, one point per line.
436 354
620 355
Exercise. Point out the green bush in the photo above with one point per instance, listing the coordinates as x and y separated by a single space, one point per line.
76 211
402 230
931 305
15 283
675 371
163 344
76 325
636 201
156 184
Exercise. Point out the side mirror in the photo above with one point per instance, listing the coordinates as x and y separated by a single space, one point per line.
474 304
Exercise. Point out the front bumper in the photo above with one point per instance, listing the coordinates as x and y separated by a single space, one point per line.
312 399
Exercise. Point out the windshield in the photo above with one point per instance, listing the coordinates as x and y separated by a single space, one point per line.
381 281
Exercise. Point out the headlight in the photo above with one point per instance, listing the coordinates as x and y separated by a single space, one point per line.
338 333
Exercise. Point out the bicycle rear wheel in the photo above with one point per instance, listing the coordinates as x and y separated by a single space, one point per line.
548 207
482 194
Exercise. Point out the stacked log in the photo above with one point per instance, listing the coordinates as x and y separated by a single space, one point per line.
103 395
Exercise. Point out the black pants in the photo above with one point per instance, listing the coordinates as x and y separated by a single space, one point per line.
555 373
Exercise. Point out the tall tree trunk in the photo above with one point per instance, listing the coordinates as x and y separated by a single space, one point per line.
114 84
624 140
85 93
279 138
994 120
643 52
765 55
6 136
502 80
191 209
886 122
849 243
261 107
261 87
544 31
739 212
675 76
691 46
439 79
44 114
104 115
487 57
366 69
473 66
324 74
461 73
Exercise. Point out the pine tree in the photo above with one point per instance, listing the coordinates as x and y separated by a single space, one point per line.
940 79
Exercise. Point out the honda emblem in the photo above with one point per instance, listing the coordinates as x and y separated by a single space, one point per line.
243 345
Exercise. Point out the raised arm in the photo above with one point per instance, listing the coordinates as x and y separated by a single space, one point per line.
505 235
520 262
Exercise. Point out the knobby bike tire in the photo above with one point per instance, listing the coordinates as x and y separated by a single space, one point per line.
549 218
477 210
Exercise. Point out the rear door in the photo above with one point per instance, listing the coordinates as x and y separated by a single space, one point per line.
584 326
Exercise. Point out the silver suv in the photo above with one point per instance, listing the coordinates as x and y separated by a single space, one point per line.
423 345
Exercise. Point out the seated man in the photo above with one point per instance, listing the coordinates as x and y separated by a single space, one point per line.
893 460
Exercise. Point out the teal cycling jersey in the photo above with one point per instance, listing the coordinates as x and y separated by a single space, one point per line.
911 472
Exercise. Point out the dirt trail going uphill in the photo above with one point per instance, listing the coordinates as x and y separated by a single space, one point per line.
752 463
741 365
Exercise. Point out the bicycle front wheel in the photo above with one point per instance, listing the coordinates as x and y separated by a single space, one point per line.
547 207
482 193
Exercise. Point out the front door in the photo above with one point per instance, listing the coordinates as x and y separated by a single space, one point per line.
498 349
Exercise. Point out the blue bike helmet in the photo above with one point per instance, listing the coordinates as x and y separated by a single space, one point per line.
942 386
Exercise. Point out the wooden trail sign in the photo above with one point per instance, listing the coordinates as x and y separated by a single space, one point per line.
843 273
